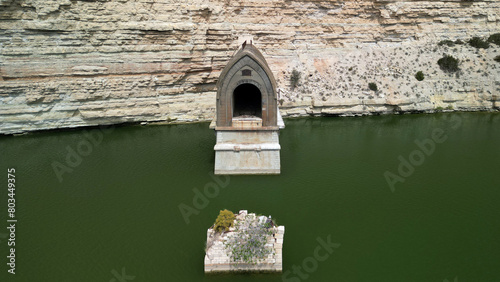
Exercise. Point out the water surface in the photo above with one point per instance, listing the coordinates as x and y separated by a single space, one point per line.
117 211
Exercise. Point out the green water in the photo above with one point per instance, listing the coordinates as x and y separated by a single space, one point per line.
117 211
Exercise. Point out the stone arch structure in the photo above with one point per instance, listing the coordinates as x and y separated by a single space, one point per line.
245 77
247 121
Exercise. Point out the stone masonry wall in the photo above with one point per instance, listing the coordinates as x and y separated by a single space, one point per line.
70 63
218 258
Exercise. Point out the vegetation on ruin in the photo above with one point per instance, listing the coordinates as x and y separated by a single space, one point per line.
224 221
372 86
248 243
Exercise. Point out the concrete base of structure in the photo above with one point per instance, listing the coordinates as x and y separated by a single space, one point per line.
247 152
247 148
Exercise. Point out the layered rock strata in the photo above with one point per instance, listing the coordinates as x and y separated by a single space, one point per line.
69 63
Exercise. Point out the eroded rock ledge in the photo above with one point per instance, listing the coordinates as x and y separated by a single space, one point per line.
85 63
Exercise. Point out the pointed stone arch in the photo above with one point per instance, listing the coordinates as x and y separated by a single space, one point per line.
247 121
247 70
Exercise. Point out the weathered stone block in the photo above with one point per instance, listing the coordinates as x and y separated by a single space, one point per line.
217 258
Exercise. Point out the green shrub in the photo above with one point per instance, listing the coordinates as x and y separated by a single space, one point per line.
494 38
294 78
450 107
372 86
478 43
497 58
448 63
439 109
224 221
448 43
419 76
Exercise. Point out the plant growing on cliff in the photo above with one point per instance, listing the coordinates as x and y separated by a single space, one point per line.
497 59
494 38
224 221
372 86
479 43
448 43
448 63
248 243
419 76
294 78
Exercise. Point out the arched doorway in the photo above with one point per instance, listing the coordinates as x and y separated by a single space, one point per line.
247 101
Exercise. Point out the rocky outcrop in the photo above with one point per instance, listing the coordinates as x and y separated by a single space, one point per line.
68 63
337 83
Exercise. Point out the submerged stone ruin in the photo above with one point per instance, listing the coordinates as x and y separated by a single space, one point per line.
221 255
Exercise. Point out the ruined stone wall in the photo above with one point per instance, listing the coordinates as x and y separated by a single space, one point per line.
218 256
69 63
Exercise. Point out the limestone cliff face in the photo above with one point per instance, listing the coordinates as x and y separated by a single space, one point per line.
69 63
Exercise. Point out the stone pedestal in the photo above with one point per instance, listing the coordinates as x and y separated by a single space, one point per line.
248 149
217 258
247 152
247 119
